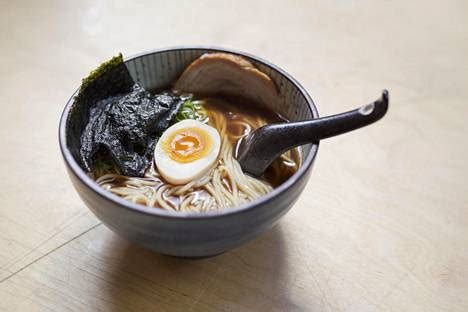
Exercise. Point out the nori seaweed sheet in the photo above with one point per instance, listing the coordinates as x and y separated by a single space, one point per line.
124 121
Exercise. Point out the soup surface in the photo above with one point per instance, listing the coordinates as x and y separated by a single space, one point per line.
225 185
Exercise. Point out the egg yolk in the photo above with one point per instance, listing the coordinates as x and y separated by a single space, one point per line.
187 145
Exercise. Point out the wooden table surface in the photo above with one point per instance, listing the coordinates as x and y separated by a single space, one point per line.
381 226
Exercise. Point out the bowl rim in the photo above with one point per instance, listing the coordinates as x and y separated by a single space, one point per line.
81 175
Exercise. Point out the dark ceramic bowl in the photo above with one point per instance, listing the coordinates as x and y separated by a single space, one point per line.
189 234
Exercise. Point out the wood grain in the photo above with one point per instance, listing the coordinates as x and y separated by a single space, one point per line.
381 226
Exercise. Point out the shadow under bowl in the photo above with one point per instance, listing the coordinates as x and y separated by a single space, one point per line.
178 233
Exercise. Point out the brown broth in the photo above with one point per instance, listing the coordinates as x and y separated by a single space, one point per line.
238 113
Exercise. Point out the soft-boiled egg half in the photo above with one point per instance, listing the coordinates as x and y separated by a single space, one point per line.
186 151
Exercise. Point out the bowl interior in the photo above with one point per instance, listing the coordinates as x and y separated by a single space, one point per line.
160 69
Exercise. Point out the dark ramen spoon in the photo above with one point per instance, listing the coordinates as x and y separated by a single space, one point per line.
258 149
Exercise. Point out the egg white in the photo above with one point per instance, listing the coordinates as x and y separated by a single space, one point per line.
181 173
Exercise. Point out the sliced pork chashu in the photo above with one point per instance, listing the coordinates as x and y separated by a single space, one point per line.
228 74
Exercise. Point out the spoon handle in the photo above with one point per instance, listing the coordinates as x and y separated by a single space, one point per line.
325 127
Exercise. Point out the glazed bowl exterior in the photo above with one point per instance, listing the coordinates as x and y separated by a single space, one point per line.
189 234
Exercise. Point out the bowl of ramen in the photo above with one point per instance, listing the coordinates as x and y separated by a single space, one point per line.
150 142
